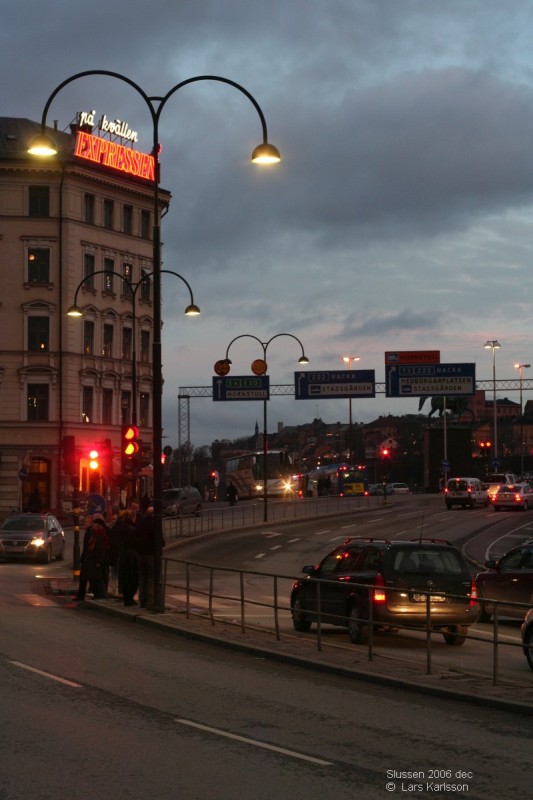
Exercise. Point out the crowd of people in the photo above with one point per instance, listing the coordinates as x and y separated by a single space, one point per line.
118 557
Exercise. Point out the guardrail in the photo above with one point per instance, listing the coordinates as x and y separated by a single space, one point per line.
197 580
251 513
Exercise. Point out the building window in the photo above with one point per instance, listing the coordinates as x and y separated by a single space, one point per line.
38 334
127 219
88 337
145 224
107 407
38 402
88 209
145 347
144 408
146 285
39 201
38 265
87 404
127 272
88 270
109 209
109 268
107 347
125 406
126 344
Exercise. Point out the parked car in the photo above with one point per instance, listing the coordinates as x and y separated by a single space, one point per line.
182 502
402 573
518 496
36 536
527 637
465 492
397 488
509 580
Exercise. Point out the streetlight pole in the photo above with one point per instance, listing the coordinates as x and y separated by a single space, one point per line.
520 367
265 153
493 344
261 370
349 360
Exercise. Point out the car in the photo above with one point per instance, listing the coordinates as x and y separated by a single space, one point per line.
507 580
36 536
493 482
527 637
398 576
518 496
182 501
397 488
465 492
375 489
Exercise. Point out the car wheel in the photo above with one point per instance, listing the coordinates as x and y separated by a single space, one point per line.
357 631
528 647
300 620
455 635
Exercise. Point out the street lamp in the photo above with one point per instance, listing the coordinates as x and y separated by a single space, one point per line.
349 360
265 153
262 369
520 367
493 344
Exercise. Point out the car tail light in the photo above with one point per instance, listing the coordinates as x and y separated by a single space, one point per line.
379 595
517 498
473 593
469 490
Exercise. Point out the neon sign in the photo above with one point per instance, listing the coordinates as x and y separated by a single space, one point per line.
114 127
116 156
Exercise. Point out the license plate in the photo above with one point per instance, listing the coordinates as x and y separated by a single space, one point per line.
417 597
14 548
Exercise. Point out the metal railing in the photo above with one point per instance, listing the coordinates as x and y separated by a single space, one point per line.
197 580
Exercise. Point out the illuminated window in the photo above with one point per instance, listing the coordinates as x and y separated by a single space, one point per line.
37 399
38 265
38 334
127 271
88 337
146 286
39 201
109 268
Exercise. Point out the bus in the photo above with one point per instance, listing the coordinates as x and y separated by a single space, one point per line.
342 479
245 471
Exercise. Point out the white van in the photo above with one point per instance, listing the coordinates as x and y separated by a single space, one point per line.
465 492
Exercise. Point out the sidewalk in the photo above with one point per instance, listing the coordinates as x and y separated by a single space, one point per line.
292 649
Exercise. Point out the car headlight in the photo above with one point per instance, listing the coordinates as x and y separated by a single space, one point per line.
38 541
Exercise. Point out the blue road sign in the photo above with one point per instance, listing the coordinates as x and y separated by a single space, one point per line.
419 380
241 387
95 504
341 383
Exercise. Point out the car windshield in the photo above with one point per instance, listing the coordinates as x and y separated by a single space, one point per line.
23 524
424 561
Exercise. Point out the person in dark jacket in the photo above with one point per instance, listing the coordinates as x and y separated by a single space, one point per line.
145 549
128 560
95 559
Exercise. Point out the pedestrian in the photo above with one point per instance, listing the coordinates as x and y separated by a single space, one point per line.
128 563
145 549
118 534
94 569
232 494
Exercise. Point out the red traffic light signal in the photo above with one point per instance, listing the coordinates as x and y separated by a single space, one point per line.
94 463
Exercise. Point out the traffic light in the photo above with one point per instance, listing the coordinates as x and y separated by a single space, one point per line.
94 463
130 448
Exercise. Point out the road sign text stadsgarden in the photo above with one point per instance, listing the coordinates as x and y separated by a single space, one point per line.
431 379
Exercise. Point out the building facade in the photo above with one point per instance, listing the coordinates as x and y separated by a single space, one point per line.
75 228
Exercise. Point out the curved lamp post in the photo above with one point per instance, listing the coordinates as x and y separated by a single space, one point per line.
493 344
264 153
302 360
349 360
520 367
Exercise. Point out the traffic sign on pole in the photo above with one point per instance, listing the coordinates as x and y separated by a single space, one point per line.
341 383
241 387
431 379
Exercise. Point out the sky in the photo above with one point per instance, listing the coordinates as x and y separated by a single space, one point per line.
400 217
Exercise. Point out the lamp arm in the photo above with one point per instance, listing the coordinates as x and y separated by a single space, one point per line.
292 336
105 272
247 335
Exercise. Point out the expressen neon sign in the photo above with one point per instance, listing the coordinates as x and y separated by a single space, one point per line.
111 153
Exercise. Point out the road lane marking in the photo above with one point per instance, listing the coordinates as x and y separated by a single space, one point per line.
291 541
321 533
260 555
270 534
47 675
276 547
254 742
